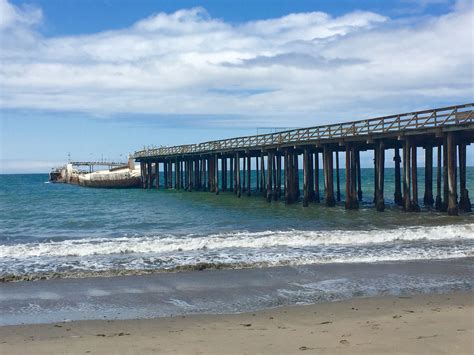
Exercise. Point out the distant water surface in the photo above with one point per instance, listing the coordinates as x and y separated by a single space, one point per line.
56 228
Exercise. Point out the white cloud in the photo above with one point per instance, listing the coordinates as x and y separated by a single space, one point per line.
299 66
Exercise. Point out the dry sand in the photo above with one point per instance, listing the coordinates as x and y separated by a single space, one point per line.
416 325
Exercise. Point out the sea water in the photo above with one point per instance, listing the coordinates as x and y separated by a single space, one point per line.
59 230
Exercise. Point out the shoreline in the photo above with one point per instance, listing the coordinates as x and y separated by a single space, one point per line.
200 266
224 291
429 323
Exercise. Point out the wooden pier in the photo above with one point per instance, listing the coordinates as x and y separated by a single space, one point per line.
224 165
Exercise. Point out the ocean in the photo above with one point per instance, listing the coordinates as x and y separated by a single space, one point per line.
58 230
115 254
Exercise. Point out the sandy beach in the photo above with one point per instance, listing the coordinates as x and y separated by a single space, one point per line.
418 324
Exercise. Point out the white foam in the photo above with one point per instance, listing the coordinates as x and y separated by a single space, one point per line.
243 239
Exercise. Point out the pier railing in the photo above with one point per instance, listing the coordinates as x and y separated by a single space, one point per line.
97 163
440 117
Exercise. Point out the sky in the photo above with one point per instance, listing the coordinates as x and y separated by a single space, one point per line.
93 79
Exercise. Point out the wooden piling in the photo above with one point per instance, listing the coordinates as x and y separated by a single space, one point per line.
262 175
348 202
231 174
428 196
414 180
398 189
444 204
407 206
290 185
165 174
142 173
216 174
351 177
464 201
149 175
380 203
224 173
317 197
278 177
338 186
438 202
257 174
244 173
269 194
296 175
354 177
375 175
306 172
274 188
237 174
157 172
328 176
359 178
249 170
453 209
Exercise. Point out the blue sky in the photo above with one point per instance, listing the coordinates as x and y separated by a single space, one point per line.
102 78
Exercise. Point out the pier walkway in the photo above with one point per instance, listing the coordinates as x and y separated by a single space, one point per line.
226 164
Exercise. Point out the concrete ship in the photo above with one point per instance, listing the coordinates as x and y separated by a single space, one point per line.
122 176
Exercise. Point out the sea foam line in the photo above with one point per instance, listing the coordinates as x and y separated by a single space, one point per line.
241 239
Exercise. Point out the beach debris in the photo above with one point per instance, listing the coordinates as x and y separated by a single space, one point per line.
326 322
246 324
427 336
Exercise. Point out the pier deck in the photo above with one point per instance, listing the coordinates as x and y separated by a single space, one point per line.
226 164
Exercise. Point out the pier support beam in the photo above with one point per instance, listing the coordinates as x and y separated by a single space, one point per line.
244 173
142 173
407 205
306 177
262 174
359 178
438 202
269 176
165 174
149 175
464 201
351 176
428 196
278 177
257 175
197 174
296 175
290 185
398 188
414 179
328 177
453 209
231 174
216 174
444 204
379 198
338 185
157 172
249 170
274 169
317 196
238 186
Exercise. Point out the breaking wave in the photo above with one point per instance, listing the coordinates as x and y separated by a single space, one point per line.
234 240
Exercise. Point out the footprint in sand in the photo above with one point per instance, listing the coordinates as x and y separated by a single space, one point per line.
344 342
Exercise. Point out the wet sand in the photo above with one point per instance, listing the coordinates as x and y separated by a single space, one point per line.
416 324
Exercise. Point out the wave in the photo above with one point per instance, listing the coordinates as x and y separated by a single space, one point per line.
241 239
